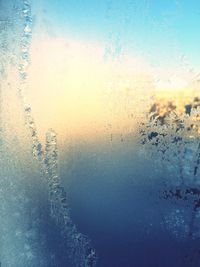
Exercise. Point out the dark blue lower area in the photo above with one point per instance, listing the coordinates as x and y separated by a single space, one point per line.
114 195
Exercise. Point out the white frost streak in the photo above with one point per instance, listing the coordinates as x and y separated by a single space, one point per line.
77 245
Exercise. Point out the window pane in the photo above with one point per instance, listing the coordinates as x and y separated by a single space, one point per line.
99 133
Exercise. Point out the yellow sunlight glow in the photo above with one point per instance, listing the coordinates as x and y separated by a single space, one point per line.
73 89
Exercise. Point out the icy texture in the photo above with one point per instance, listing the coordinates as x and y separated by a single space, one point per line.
77 245
173 137
36 228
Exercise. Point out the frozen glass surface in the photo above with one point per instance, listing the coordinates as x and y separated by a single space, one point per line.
99 133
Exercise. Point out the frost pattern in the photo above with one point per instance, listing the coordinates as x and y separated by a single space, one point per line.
173 136
79 252
77 245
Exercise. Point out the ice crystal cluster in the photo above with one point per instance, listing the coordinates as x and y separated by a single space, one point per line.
36 227
173 138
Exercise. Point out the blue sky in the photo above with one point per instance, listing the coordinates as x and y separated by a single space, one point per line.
162 30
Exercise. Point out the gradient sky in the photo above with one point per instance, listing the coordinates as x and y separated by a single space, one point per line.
87 56
159 29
